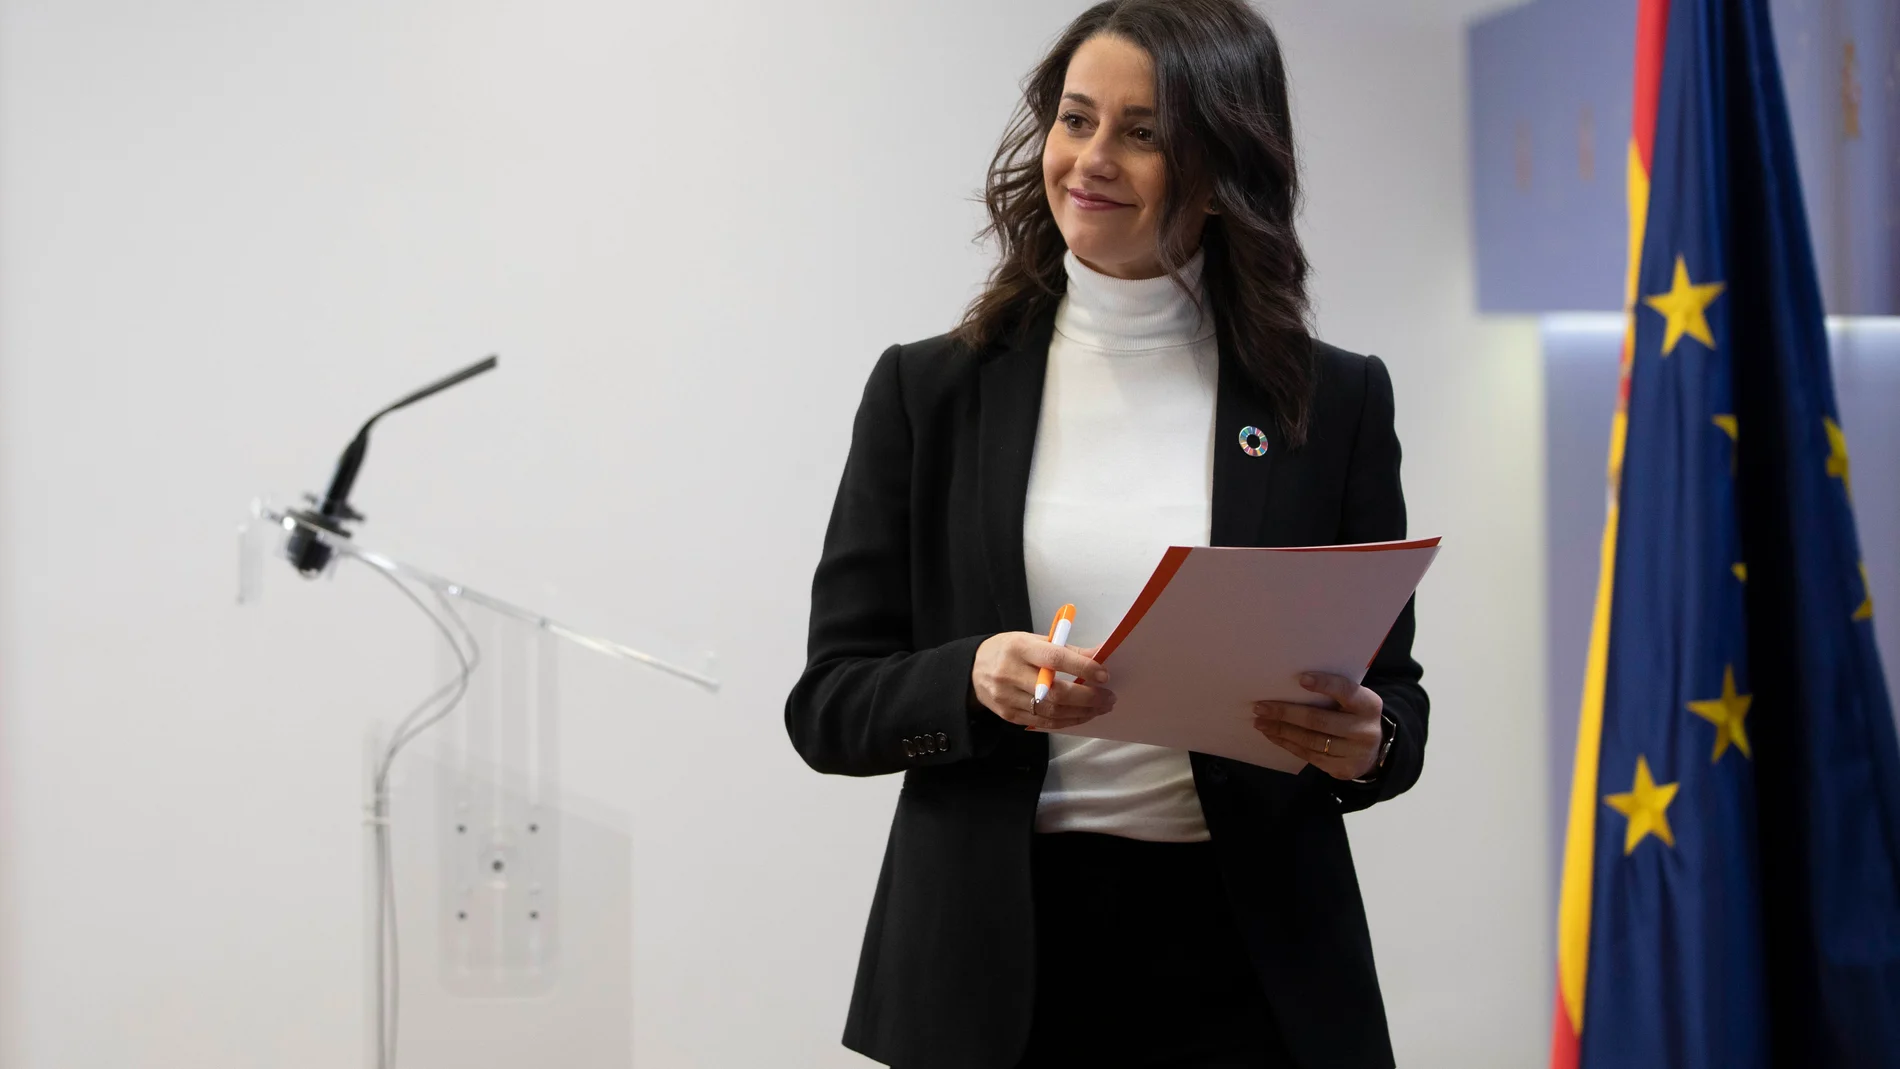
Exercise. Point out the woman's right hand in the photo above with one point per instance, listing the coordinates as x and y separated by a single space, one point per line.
1003 680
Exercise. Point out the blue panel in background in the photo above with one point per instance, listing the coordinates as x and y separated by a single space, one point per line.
1869 207
1840 60
1551 90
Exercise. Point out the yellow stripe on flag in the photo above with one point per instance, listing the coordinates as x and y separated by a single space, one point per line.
1573 910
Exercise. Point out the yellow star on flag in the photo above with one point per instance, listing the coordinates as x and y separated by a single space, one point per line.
1734 432
1646 805
1837 456
1866 610
1741 571
1685 307
1726 713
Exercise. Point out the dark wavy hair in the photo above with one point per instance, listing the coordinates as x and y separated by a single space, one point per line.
1225 131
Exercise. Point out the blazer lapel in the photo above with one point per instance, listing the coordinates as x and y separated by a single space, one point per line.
1240 478
1010 404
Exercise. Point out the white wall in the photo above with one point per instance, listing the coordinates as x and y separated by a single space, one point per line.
1454 873
228 230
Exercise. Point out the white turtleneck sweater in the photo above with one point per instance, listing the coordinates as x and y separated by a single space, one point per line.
1123 468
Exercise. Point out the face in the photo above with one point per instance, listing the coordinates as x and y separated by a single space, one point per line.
1102 166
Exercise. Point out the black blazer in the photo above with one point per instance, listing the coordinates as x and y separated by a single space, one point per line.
923 560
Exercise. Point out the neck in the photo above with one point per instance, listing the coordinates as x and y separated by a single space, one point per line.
1133 314
1133 272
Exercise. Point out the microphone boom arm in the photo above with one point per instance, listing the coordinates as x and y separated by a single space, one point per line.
309 553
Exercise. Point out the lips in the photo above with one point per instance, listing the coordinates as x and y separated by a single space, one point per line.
1093 202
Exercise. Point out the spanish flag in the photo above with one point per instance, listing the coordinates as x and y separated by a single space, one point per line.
1731 887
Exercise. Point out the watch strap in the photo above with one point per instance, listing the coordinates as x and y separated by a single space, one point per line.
1388 735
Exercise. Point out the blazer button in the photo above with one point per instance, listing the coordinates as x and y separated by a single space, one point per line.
910 748
943 741
1217 770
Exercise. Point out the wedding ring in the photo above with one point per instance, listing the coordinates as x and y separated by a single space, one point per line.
1327 747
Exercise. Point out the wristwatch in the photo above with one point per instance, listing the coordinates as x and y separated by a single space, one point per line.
1389 732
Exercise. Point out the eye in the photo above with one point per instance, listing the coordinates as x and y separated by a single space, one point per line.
1070 119
1144 135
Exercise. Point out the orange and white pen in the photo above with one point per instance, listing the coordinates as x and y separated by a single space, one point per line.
1058 636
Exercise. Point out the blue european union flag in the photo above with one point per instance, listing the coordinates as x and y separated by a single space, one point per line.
1737 858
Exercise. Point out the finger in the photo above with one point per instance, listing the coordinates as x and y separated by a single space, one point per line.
1015 702
1351 766
1066 705
1292 746
1045 718
1059 725
1317 742
1064 659
1064 695
1330 763
1061 691
1346 692
1063 716
1016 712
1007 697
1330 721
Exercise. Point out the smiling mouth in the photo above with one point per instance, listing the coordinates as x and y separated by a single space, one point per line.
1089 202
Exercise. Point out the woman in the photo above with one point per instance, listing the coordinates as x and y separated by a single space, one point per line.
1049 900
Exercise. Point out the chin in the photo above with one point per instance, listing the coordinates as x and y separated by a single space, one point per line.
1094 247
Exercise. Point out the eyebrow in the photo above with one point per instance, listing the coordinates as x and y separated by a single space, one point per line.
1134 111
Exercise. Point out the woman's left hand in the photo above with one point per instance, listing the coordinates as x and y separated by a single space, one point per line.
1343 742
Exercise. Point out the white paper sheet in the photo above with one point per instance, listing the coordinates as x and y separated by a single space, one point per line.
1232 626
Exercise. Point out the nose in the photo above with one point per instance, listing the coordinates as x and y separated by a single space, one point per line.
1098 159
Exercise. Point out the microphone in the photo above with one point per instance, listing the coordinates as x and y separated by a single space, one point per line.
306 548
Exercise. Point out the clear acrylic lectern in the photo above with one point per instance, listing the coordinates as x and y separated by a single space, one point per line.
497 912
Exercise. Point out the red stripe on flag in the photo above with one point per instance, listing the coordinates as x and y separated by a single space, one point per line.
1652 33
1564 1048
1575 911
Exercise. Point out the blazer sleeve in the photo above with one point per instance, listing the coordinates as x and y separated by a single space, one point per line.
1374 511
868 703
